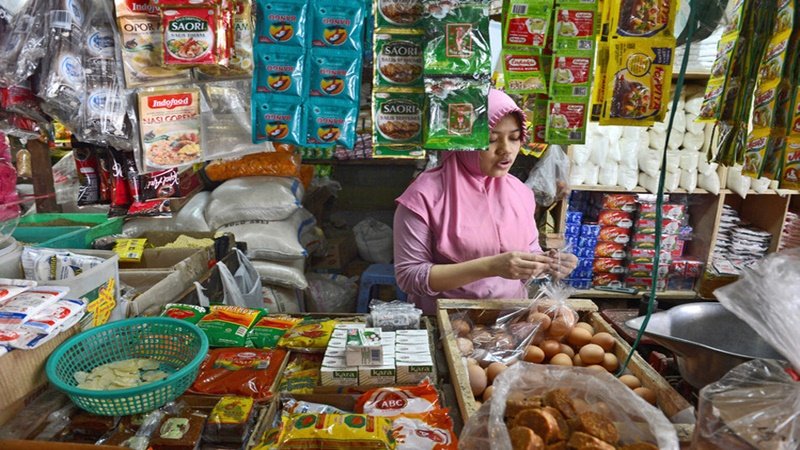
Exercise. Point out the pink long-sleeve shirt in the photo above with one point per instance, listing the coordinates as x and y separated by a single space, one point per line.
415 254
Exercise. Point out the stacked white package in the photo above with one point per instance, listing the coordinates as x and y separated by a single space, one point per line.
413 356
386 373
364 347
335 371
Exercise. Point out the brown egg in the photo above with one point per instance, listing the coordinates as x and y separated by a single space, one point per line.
646 394
591 354
610 362
540 318
604 340
586 327
579 337
465 346
477 380
561 359
566 349
534 354
630 381
550 348
597 368
576 361
494 370
561 326
487 393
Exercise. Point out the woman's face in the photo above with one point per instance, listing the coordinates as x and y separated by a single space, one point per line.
504 144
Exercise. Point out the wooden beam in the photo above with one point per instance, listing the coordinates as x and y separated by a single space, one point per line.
42 173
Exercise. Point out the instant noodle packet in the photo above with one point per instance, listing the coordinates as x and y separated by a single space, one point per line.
639 77
790 176
51 318
335 432
755 152
338 25
571 75
169 125
643 18
566 121
400 14
523 73
457 114
397 119
527 23
395 401
277 118
227 326
249 372
773 159
334 74
576 26
458 43
189 313
330 122
309 335
11 287
279 70
282 22
398 61
269 330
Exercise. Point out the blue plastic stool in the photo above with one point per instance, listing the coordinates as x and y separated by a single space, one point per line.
376 275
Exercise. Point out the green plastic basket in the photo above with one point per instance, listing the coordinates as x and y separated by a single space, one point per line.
102 225
177 345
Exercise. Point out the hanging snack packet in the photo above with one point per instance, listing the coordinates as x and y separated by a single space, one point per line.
169 124
88 176
282 22
279 70
9 288
457 114
523 73
639 77
335 432
398 61
566 122
249 372
226 326
277 118
119 187
600 80
330 122
189 36
527 23
636 18
571 75
269 330
310 335
130 250
794 113
397 119
241 61
189 313
790 178
27 305
755 152
458 41
49 319
398 13
155 190
334 74
419 399
576 27
338 25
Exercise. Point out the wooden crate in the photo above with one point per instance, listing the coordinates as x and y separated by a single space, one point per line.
486 311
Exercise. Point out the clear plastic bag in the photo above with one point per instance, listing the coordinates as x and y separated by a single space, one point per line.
330 293
22 48
634 418
549 178
394 315
757 404
241 288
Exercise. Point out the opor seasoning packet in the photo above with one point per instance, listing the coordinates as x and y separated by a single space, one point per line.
527 23
398 61
523 72
457 114
277 118
282 22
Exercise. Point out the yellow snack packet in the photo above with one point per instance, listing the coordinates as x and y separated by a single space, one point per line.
310 335
643 18
794 114
756 151
790 177
130 250
336 431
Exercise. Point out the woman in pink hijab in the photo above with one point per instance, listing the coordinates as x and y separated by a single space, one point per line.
466 229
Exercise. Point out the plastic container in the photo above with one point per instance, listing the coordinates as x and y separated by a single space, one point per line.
178 345
52 237
102 225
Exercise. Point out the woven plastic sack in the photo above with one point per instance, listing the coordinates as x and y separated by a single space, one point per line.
755 405
374 241
284 273
254 198
636 420
276 240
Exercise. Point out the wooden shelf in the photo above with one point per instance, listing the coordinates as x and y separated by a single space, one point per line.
365 162
666 295
636 190
691 75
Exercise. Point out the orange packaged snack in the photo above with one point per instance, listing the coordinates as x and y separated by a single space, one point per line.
433 430
278 164
226 326
241 371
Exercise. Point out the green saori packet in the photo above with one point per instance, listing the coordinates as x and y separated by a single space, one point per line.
457 114
457 39
398 61
189 313
397 118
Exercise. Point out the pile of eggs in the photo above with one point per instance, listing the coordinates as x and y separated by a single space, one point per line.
559 340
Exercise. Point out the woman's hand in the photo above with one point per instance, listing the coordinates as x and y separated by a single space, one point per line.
562 264
520 265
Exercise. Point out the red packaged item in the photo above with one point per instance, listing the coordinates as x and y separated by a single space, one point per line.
648 241
249 372
120 189
396 401
614 234
88 169
190 36
694 268
646 269
647 255
645 283
433 430
608 265
156 189
607 279
668 226
620 202
610 218
609 250
104 174
668 211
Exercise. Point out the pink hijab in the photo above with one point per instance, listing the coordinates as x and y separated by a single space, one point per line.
472 215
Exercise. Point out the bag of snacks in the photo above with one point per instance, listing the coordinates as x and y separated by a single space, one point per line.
240 371
574 407
755 404
310 335
227 326
395 401
336 431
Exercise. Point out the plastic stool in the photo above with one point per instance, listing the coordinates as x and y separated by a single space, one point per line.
376 275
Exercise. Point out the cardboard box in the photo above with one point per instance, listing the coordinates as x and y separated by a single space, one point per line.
413 370
364 347
385 375
339 376
167 259
341 251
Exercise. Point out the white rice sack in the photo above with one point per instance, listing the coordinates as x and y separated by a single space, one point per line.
672 181
679 123
644 141
593 129
658 139
627 177
577 174
648 182
703 166
689 180
192 217
632 133
276 240
613 151
673 160
693 126
608 174
140 225
254 198
285 273
581 154
676 139
760 185
592 175
774 184
737 182
628 153
689 160
661 127
693 142
650 162
709 182
613 132
599 146
282 300
693 105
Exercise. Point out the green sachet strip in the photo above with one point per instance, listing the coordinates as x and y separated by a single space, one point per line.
457 114
189 313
